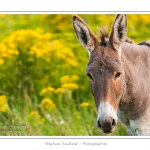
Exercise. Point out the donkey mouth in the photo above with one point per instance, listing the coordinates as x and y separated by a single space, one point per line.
108 130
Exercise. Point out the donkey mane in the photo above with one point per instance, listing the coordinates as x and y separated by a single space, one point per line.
103 35
146 43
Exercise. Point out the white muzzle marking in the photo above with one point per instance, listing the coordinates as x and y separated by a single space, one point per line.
106 111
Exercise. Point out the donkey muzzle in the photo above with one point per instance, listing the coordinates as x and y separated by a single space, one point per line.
107 126
107 118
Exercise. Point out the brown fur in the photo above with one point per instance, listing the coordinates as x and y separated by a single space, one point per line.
133 93
119 72
102 65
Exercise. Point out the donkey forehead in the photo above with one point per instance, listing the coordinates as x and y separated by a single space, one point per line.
104 58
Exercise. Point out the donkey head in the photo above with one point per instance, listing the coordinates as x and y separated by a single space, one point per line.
105 68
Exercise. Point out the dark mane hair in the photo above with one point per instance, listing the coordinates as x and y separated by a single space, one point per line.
103 35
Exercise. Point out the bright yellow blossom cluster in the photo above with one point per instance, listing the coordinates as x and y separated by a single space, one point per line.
47 91
139 17
70 86
60 91
36 40
3 103
37 43
66 86
67 82
67 55
47 104
68 79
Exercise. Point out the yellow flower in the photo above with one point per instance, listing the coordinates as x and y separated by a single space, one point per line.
47 36
47 104
3 100
36 118
85 104
68 79
74 77
70 86
65 79
50 89
61 55
35 114
3 103
47 91
39 30
56 44
36 41
60 91
72 62
4 108
44 91
1 61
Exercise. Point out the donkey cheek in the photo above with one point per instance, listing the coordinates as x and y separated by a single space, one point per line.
118 88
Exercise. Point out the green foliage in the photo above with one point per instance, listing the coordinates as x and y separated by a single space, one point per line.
42 73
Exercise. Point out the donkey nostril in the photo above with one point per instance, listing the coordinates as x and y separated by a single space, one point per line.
113 122
99 124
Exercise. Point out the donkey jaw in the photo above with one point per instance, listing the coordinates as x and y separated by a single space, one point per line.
107 118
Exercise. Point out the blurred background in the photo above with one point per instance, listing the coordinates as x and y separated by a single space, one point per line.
43 85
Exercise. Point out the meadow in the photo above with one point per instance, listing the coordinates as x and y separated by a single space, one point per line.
44 90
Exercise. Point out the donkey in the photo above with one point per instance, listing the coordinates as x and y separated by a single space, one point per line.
119 73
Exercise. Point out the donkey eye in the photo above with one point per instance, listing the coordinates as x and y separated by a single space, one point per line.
90 76
117 75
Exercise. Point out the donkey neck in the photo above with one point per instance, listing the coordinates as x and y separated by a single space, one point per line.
136 98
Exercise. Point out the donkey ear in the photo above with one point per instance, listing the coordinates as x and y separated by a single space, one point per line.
118 33
84 34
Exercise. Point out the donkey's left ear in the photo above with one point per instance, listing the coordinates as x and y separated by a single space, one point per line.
119 30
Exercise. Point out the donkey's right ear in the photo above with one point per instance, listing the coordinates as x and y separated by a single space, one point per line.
84 34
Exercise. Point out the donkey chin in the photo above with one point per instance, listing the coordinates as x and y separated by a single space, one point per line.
107 118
